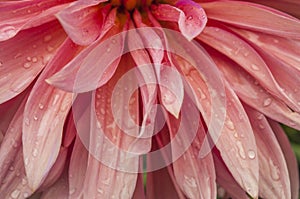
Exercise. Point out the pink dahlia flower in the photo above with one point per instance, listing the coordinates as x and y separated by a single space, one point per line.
148 99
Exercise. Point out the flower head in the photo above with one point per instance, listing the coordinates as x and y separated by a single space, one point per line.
97 94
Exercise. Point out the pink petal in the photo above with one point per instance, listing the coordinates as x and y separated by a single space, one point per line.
242 53
190 16
56 170
77 168
59 190
236 142
285 49
189 169
18 15
70 132
289 157
44 116
273 173
226 180
109 138
83 22
20 64
254 17
249 91
97 63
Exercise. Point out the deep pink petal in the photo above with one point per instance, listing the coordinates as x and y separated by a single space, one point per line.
56 170
139 192
190 169
59 190
18 15
242 53
289 157
190 16
77 168
21 63
70 132
226 180
252 93
44 116
96 64
83 22
254 17
274 179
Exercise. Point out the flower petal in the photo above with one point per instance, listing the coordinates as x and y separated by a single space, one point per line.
44 116
18 15
274 179
97 63
70 132
83 22
139 192
289 157
226 180
242 53
190 16
189 169
59 190
250 92
20 64
254 16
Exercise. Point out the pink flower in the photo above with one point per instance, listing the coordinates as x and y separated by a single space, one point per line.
190 93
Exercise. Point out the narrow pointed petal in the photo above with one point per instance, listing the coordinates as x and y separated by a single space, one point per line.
77 168
56 170
44 116
97 63
252 93
263 19
289 157
20 64
190 16
189 169
285 49
70 132
242 53
226 180
18 15
236 142
59 190
83 22
274 179
111 136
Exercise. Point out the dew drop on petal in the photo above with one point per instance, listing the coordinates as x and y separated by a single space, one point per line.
41 106
27 65
190 181
34 152
25 195
35 117
99 190
267 102
254 67
24 181
230 125
7 32
275 173
15 194
34 59
47 38
72 191
251 154
190 17
241 149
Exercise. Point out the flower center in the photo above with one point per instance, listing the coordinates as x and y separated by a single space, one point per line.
131 4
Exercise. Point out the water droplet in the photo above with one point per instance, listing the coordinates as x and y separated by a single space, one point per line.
26 121
7 32
99 190
26 161
275 41
28 11
241 149
34 152
190 181
49 48
254 67
267 102
27 65
41 106
251 154
24 181
11 168
106 181
169 97
25 195
34 59
190 17
230 124
275 173
35 117
15 194
72 191
113 41
47 38
55 99
28 58
261 126
34 46
108 50
102 111
260 116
